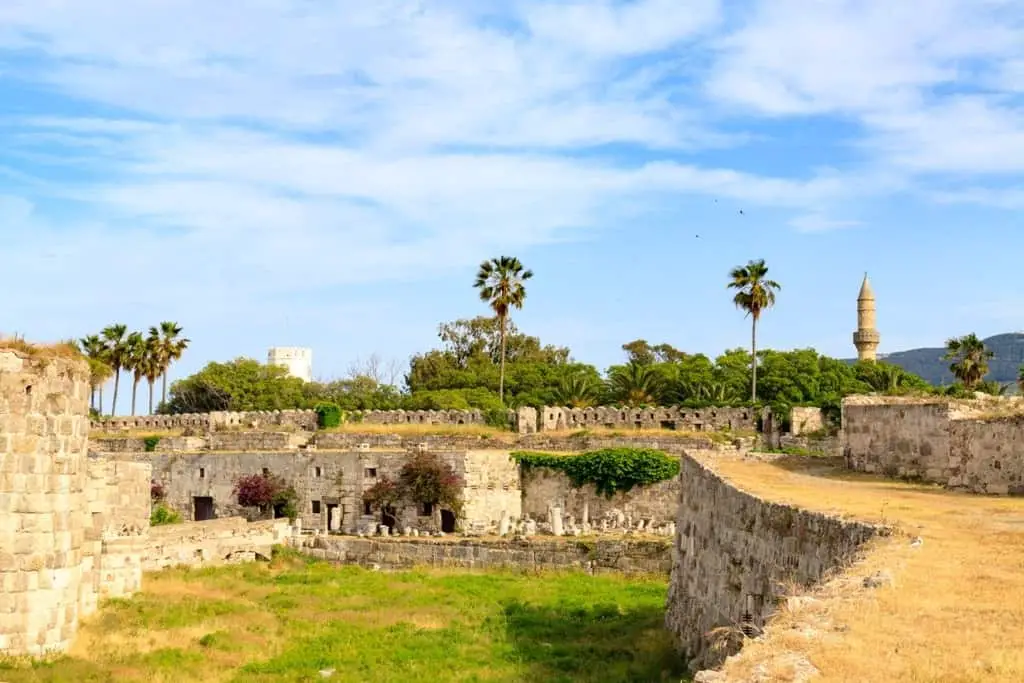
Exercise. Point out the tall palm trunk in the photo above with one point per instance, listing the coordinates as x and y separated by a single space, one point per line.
117 384
163 390
99 406
150 397
92 397
135 386
501 376
753 360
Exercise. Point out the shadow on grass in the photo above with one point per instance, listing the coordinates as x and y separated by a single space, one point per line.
600 643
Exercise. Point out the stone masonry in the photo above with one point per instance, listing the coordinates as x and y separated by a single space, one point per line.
975 445
734 554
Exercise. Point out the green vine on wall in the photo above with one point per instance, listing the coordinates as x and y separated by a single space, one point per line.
610 470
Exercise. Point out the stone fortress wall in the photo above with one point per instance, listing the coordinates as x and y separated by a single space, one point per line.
734 556
74 527
523 420
973 445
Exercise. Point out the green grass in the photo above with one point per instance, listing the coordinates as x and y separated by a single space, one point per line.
288 620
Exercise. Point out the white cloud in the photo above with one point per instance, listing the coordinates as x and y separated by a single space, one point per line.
282 146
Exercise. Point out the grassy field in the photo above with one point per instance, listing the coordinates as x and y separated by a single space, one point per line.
289 620
955 610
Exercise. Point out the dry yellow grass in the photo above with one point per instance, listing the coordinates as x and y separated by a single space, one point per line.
63 349
955 611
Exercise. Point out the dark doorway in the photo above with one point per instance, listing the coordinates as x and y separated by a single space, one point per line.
333 523
387 518
202 508
448 521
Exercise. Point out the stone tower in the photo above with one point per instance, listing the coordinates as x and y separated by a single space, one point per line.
866 337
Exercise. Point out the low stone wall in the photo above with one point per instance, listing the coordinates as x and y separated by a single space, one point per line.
212 543
987 456
593 556
823 445
654 506
734 555
421 417
201 422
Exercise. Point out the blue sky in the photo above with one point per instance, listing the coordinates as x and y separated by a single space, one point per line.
329 174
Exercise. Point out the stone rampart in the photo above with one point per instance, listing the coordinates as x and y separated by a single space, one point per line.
213 543
522 421
594 556
973 445
734 556
204 422
673 417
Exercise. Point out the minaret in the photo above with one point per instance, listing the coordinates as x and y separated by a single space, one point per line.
866 337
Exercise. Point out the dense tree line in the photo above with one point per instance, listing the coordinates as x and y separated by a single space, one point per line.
487 363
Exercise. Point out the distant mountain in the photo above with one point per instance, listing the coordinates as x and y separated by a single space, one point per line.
928 363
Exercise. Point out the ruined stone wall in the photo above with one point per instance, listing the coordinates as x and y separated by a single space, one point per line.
973 445
213 543
202 422
654 505
672 417
330 484
492 488
896 437
46 562
734 555
597 557
422 417
118 499
987 456
803 420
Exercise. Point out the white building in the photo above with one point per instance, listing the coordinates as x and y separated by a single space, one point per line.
297 360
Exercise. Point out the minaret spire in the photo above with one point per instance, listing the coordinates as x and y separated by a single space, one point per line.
866 338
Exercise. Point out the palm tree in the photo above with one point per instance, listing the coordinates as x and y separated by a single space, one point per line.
970 359
576 391
95 351
152 363
756 294
636 384
114 336
500 282
168 348
136 357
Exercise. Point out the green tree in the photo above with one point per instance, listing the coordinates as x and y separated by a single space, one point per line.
635 384
756 293
243 384
501 284
970 359
117 351
1020 379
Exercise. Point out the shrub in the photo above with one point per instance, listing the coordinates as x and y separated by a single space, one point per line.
162 514
266 492
150 443
328 415
383 494
496 417
427 480
610 470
